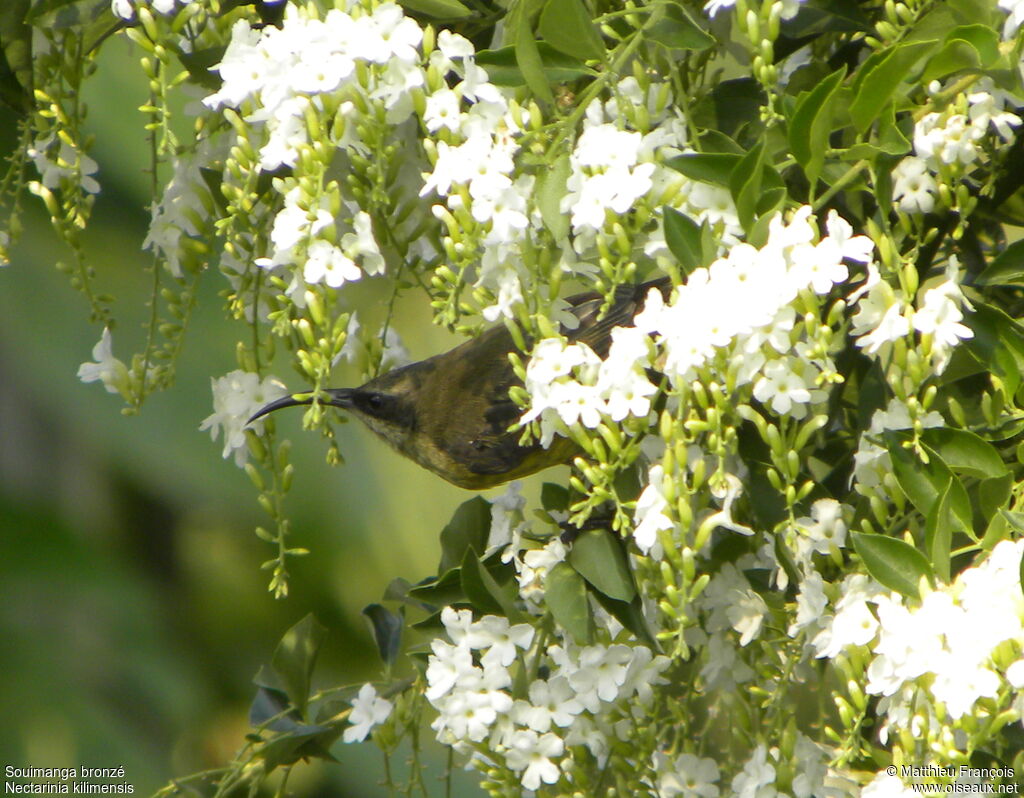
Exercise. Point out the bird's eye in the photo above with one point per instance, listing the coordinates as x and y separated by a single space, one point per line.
375 401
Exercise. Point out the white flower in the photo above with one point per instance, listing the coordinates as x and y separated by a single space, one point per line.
328 264
551 702
447 667
758 773
783 388
686 775
236 397
913 186
532 753
499 638
746 613
368 710
107 368
442 111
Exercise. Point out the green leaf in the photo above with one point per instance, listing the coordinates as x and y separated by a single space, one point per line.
527 53
565 594
484 592
1007 268
550 190
437 9
713 168
387 631
672 26
272 703
993 494
683 236
938 535
893 563
16 56
998 343
731 107
883 77
811 124
964 451
295 657
745 184
567 26
630 614
598 556
924 483
554 497
503 68
966 47
468 529
440 592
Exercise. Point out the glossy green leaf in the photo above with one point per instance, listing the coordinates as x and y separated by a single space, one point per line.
567 26
883 78
745 184
630 614
811 124
998 343
924 483
438 9
483 590
565 594
554 497
550 190
468 529
440 592
966 47
993 494
598 556
672 26
683 236
387 631
295 657
732 107
527 53
938 535
893 563
964 451
713 168
1007 268
503 67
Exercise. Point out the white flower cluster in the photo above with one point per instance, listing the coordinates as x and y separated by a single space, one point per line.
236 396
619 161
588 697
735 314
344 66
885 315
951 138
949 646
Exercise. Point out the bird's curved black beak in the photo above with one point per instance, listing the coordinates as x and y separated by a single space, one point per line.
336 397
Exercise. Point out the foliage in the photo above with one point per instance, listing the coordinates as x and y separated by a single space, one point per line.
798 471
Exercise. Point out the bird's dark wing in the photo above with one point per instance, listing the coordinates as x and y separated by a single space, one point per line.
594 330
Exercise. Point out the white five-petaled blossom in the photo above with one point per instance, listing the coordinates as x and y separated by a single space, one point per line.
368 710
236 396
106 368
532 754
61 161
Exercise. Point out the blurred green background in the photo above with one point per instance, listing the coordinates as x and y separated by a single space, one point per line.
134 614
